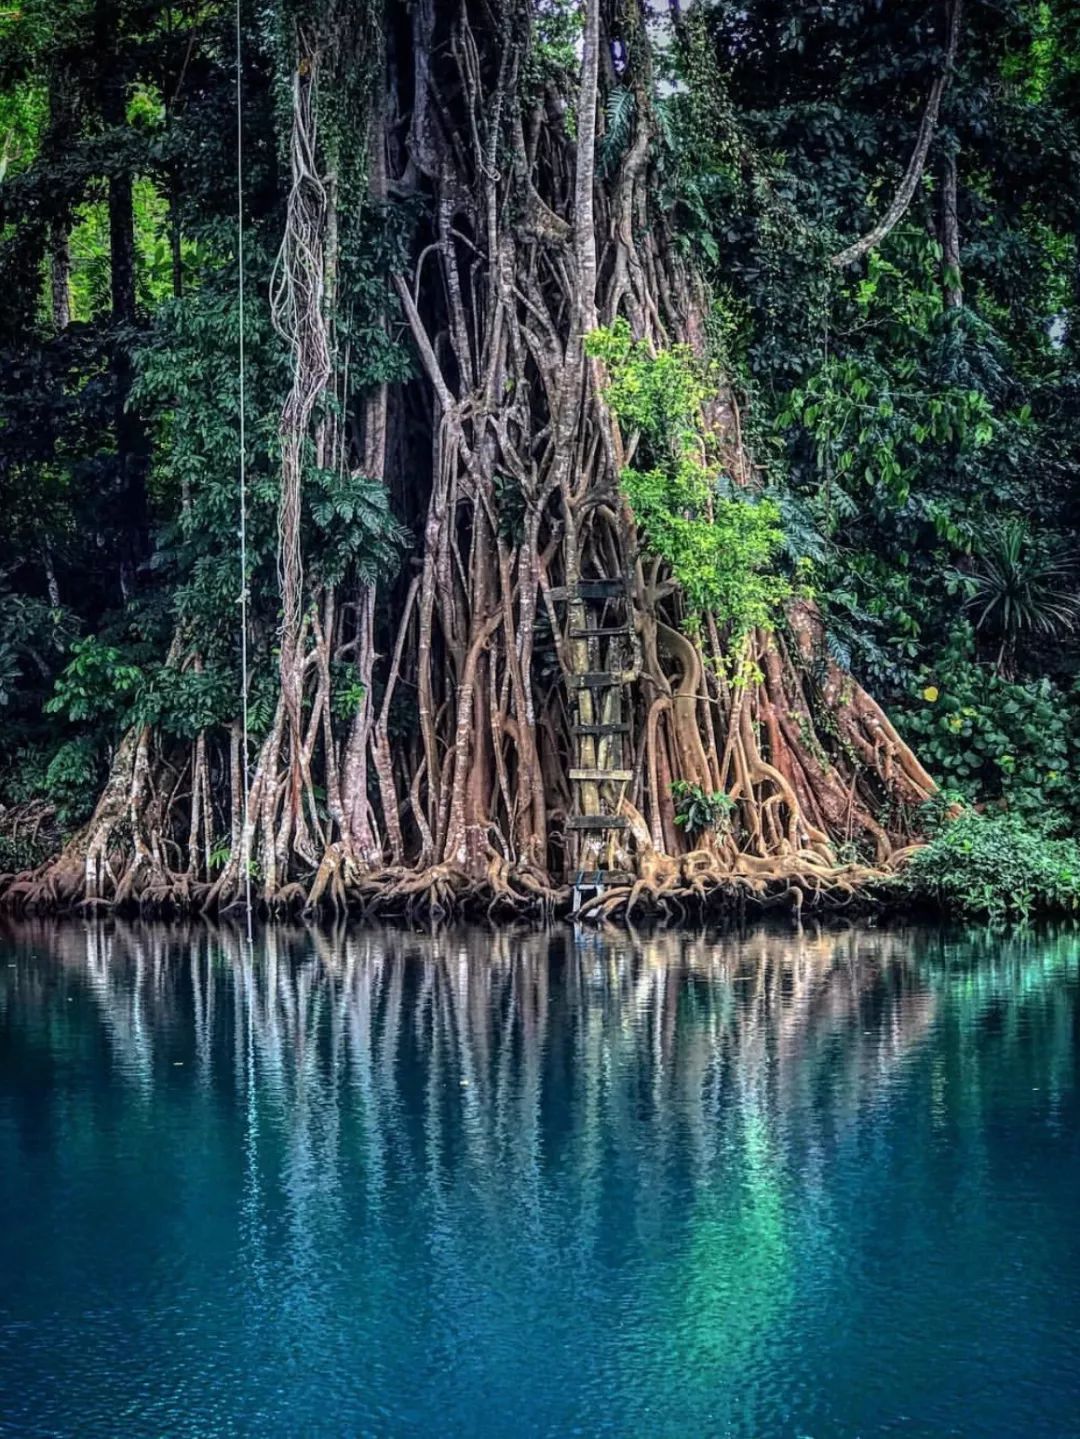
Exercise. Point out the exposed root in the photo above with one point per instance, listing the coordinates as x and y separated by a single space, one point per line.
664 887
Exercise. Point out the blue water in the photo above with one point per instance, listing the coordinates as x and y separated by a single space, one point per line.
512 1184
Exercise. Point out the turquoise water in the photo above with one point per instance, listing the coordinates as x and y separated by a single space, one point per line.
819 1184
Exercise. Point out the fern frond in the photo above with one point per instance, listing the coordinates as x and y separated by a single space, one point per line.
619 114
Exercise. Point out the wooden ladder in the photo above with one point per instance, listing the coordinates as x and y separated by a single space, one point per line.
601 723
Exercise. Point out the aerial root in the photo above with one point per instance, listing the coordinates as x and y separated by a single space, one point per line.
56 884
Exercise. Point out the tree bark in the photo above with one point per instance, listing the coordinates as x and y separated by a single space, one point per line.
131 441
60 274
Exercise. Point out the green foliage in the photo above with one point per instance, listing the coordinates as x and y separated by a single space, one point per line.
870 433
24 850
552 58
994 867
24 778
92 503
696 809
995 740
31 634
660 394
90 280
905 429
347 692
355 527
96 683
181 702
23 112
720 547
188 380
719 542
619 116
375 248
72 781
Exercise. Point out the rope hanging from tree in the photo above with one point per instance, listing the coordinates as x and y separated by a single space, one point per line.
246 833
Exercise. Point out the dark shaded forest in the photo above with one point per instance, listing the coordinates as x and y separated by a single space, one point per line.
501 455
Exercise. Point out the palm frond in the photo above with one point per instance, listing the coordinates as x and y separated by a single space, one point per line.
1017 586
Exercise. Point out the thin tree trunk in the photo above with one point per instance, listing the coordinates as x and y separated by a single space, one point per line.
950 237
60 274
131 446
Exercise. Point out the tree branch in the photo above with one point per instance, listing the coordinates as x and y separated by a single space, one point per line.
917 163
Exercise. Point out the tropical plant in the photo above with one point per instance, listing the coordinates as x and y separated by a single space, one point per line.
697 809
1017 588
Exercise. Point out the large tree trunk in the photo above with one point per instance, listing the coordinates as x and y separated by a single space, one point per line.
524 250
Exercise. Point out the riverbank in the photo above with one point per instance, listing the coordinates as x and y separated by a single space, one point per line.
977 866
684 892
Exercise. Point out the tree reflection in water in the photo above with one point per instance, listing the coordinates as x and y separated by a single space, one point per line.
664 1025
466 1132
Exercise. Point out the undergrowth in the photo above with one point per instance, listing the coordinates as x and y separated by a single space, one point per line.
993 866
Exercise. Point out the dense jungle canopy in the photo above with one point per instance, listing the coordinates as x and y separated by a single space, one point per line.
450 447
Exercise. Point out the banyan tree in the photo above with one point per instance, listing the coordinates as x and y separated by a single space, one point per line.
522 619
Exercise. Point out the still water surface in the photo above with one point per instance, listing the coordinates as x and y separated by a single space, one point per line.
516 1184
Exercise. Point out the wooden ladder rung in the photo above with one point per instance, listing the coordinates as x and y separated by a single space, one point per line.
617 589
601 589
597 821
581 730
594 680
601 632
602 776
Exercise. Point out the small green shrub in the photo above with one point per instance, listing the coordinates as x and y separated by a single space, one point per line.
994 866
696 809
